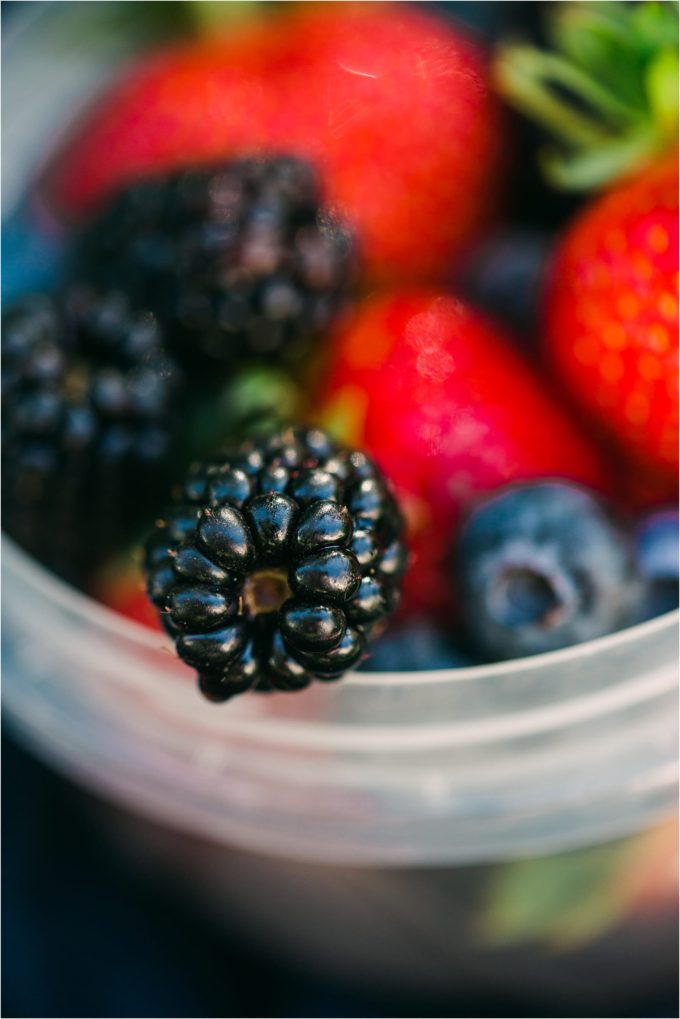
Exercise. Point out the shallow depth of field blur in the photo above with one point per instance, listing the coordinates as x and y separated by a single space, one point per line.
484 299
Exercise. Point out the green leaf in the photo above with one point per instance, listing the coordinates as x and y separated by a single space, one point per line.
593 168
561 901
599 38
656 25
257 398
608 94
209 15
662 83
521 75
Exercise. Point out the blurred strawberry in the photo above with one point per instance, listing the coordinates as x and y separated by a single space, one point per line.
647 880
450 410
403 124
608 94
193 101
611 316
392 105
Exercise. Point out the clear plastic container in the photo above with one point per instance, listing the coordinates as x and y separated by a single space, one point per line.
433 768
435 830
392 825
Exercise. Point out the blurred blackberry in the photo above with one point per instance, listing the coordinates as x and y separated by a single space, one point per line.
237 259
276 563
88 398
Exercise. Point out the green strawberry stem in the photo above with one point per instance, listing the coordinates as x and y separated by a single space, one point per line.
608 94
207 16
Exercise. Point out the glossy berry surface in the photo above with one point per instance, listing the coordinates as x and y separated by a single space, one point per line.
611 317
235 258
543 566
656 547
276 563
89 404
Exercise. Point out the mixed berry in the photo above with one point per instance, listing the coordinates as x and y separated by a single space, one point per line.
90 422
276 562
483 433
541 566
237 259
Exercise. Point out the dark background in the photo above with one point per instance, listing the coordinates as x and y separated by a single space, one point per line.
84 934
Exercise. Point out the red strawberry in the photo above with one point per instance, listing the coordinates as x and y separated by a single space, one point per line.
450 410
393 105
612 317
607 94
195 101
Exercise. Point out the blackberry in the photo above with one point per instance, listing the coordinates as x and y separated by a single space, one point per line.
235 259
541 566
88 397
277 561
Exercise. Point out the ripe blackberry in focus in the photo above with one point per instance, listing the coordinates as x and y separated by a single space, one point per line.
276 563
88 399
238 259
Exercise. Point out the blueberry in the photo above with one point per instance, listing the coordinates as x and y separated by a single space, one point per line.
542 566
416 647
33 257
656 546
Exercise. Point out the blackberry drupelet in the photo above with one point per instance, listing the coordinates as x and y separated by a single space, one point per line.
88 403
276 563
236 259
